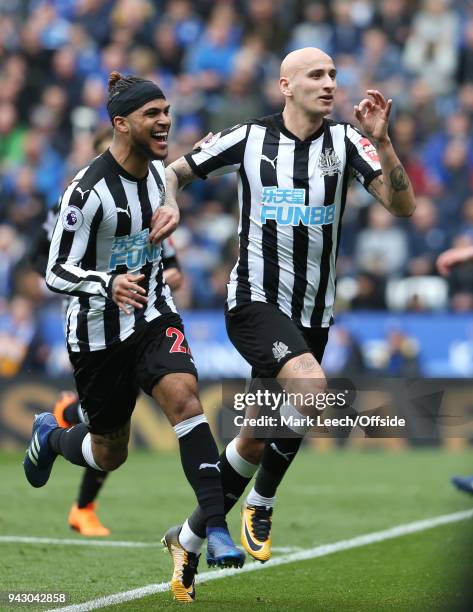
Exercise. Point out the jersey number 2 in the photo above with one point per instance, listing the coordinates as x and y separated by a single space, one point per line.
173 332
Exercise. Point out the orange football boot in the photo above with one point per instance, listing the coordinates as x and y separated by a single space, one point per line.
66 398
86 522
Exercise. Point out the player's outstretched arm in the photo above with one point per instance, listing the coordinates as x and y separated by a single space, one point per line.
393 188
452 257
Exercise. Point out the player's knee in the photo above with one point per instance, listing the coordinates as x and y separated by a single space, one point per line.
307 387
250 449
308 393
186 406
303 371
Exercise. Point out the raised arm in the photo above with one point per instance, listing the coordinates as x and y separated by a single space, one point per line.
393 188
214 155
178 175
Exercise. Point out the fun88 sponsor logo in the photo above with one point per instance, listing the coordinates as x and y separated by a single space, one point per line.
287 207
133 251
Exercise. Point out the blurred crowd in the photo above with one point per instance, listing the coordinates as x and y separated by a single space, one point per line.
218 63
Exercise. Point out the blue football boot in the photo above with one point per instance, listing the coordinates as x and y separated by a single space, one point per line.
39 457
463 483
221 551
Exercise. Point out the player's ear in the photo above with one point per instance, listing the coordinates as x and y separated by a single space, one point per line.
121 124
285 87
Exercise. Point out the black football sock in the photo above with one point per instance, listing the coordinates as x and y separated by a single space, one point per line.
92 482
233 485
200 461
278 455
68 443
71 413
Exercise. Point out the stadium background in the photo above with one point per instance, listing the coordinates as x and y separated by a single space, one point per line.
218 64
217 61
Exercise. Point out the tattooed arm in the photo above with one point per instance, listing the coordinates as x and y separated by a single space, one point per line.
393 189
178 175
166 217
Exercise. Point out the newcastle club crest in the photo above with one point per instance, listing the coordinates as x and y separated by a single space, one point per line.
329 163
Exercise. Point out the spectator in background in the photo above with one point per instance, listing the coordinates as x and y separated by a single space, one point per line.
48 164
456 181
370 292
430 52
343 355
421 103
381 248
169 54
89 111
393 17
65 75
217 60
254 58
405 138
448 156
465 55
315 29
211 59
262 18
37 62
86 50
186 24
113 56
17 330
240 100
54 105
465 98
346 35
11 251
133 18
94 17
460 279
426 238
12 79
12 136
402 355
466 226
380 59
25 207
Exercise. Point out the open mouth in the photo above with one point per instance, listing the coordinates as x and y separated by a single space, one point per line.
327 98
160 136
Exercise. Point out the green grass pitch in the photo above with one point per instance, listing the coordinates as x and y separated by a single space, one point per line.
325 498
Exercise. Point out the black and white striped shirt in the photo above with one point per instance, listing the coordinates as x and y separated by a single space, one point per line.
292 196
38 251
102 230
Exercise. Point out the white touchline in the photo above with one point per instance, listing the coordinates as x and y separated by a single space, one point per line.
303 555
69 542
14 539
